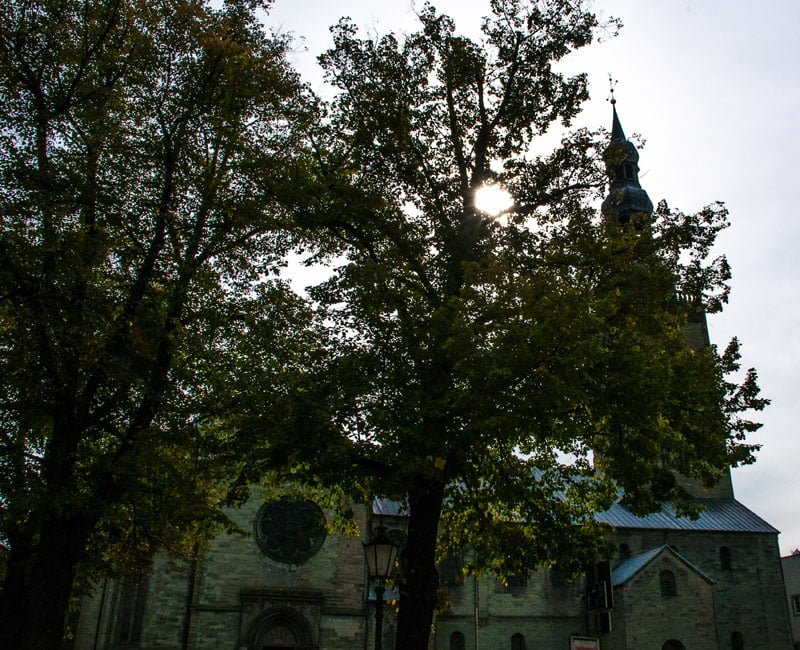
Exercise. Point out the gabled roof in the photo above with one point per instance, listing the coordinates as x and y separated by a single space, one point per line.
722 515
627 569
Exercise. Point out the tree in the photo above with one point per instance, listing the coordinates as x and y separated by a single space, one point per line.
143 156
502 376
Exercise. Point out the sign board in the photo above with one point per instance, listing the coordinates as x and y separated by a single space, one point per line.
583 643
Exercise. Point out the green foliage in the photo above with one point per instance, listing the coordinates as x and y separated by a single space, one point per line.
529 366
143 211
337 503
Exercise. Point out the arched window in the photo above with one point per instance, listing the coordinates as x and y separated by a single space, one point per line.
457 641
451 573
672 644
557 579
725 558
737 641
668 586
130 610
517 642
517 583
624 552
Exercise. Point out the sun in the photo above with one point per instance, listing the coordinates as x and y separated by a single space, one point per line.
493 200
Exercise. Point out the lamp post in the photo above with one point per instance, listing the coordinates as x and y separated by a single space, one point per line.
380 553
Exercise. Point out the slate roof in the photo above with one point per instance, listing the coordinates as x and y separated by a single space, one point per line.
627 569
726 515
719 515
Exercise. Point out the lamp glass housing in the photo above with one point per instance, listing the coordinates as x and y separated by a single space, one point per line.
380 554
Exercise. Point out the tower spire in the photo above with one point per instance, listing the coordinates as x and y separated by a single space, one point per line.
617 134
626 197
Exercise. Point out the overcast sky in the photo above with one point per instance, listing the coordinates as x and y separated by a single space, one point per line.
711 85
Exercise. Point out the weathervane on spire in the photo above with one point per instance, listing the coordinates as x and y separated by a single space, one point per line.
613 84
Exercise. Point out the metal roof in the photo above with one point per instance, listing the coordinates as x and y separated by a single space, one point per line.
389 508
630 567
721 515
718 515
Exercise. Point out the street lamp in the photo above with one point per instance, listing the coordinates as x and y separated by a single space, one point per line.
380 554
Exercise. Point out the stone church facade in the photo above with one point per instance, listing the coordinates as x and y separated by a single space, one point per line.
236 596
714 583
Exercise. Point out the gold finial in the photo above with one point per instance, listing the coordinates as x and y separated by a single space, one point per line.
612 84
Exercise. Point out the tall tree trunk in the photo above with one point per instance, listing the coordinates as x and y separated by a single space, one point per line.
11 608
49 586
58 537
418 568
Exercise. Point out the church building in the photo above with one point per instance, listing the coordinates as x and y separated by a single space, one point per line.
713 583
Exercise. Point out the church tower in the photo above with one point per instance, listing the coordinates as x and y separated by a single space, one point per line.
626 202
626 198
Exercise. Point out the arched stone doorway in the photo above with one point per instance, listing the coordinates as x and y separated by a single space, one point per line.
278 636
672 644
280 628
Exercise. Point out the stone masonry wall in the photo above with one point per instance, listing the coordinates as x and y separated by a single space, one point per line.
546 611
791 573
746 596
652 619
235 585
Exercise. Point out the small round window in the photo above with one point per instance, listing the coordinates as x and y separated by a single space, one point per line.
290 532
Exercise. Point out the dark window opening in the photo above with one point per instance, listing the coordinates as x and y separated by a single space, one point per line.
624 552
737 641
557 579
517 642
725 558
672 644
668 586
130 612
457 641
451 571
516 584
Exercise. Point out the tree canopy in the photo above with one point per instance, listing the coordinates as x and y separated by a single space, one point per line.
143 149
505 377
